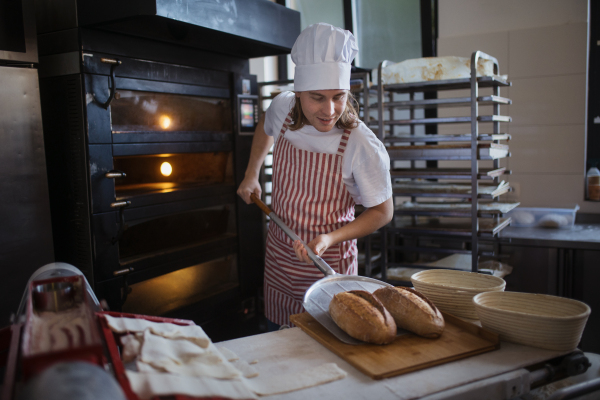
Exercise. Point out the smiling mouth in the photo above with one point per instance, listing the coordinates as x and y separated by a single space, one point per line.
325 120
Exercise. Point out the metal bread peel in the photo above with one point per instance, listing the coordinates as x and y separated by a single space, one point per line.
319 295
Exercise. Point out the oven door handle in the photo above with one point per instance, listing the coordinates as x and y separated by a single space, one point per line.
114 174
114 63
121 205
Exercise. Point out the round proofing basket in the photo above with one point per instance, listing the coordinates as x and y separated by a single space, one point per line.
538 320
452 291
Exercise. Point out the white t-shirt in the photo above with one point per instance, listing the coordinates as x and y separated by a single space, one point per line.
365 165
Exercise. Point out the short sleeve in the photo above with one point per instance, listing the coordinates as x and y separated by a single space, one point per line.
367 168
372 178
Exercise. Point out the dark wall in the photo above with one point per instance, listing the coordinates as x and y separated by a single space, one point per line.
25 232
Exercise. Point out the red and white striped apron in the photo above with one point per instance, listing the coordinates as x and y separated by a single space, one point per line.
309 195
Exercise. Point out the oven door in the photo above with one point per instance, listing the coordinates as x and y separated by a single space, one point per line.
157 141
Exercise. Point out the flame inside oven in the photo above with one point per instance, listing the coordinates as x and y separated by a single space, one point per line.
166 169
164 121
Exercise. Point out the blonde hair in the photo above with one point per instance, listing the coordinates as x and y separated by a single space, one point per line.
348 120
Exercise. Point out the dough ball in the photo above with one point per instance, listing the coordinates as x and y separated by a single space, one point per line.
553 221
523 217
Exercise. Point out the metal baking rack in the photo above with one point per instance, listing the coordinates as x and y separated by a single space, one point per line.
467 207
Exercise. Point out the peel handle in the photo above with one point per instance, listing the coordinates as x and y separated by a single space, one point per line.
318 261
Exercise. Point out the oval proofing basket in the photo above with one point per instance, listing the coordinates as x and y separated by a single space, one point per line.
538 320
453 291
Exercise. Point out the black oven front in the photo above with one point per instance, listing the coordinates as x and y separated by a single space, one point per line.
163 148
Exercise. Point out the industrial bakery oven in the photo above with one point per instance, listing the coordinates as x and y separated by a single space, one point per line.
147 138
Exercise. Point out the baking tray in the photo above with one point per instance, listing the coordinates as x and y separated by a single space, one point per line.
407 352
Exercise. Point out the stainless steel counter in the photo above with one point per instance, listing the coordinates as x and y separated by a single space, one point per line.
581 236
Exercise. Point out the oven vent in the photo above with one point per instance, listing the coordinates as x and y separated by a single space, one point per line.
243 28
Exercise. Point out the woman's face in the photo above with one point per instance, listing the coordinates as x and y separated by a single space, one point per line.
323 108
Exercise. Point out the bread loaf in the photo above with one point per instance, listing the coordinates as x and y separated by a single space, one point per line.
362 316
412 311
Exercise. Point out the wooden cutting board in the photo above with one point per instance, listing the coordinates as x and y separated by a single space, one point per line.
408 352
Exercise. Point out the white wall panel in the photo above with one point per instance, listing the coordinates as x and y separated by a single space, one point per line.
473 17
556 149
555 50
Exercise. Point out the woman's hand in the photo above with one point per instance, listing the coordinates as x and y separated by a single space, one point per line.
248 186
318 245
261 143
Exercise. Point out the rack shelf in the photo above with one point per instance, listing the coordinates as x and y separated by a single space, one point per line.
449 226
445 138
454 209
445 120
450 84
446 173
447 102
434 189
458 152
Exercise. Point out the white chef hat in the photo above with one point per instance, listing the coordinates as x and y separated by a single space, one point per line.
323 55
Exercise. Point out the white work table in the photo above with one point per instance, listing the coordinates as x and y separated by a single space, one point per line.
292 351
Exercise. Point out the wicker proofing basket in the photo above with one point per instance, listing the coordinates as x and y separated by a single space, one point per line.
538 320
452 291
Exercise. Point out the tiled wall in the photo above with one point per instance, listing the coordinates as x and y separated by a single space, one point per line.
541 45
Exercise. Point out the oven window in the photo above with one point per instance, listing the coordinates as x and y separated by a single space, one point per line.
137 111
146 237
168 172
187 286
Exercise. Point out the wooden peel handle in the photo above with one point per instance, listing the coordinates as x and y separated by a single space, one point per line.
318 261
260 204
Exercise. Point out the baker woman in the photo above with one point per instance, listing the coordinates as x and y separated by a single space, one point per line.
325 160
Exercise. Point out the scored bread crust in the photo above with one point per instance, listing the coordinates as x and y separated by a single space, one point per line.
362 316
412 311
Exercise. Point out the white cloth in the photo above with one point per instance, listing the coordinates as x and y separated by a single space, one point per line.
323 55
149 385
193 333
366 164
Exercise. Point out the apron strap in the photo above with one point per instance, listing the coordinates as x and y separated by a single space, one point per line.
284 127
343 142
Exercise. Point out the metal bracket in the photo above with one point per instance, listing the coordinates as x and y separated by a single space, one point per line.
112 87
121 206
